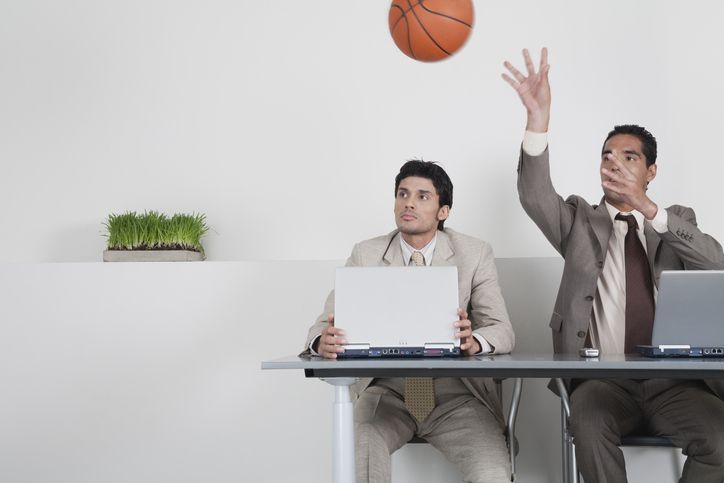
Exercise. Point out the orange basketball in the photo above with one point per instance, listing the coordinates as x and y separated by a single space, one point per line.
430 30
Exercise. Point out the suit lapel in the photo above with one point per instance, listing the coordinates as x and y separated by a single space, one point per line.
393 253
443 250
653 240
601 225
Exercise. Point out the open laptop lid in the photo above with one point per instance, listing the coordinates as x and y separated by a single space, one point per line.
689 317
406 311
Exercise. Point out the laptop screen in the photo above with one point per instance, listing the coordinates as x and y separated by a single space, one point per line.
397 306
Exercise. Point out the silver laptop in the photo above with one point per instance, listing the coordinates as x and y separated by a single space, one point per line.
397 311
689 318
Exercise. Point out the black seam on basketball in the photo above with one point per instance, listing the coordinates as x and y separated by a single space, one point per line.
409 41
404 14
443 15
426 32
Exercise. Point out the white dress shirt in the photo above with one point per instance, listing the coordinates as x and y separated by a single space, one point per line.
608 320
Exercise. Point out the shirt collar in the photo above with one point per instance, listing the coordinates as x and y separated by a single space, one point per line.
427 251
613 211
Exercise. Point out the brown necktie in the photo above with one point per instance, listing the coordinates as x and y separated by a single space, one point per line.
419 391
639 289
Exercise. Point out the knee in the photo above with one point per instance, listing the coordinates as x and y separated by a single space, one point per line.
709 450
369 436
590 426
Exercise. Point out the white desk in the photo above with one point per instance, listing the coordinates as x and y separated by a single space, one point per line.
343 373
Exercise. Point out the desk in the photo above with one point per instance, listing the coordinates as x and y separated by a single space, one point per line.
344 373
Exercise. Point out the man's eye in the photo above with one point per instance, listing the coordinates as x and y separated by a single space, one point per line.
425 197
401 194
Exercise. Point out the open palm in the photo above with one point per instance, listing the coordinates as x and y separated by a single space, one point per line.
534 90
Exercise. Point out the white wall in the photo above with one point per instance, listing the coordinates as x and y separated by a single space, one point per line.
151 372
285 122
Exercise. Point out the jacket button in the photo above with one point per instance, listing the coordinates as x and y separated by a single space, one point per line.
599 264
589 298
581 334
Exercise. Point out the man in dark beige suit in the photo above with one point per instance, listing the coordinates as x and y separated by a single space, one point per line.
614 253
463 419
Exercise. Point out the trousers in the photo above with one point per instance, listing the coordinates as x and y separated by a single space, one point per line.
462 428
687 412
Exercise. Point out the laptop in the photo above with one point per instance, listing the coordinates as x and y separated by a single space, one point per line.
397 312
689 319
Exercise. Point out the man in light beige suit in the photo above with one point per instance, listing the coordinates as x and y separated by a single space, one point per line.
464 420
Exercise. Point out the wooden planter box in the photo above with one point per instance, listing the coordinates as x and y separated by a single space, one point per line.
152 256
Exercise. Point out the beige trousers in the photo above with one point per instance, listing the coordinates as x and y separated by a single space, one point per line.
460 427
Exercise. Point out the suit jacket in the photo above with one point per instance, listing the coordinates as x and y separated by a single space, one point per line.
580 232
479 294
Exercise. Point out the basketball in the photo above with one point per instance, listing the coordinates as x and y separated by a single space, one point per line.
430 30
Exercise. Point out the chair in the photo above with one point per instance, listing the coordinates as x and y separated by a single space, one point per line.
570 469
510 423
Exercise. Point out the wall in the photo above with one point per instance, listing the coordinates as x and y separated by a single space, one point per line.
285 122
151 373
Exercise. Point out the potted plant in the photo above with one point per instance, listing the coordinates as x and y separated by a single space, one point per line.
154 237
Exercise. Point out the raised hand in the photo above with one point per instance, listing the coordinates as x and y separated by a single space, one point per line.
534 90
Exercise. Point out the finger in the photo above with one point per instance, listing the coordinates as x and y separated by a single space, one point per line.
516 73
543 60
621 169
528 62
510 81
330 319
544 75
462 314
464 334
612 186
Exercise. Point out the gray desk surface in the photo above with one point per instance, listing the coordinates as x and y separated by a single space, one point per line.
511 365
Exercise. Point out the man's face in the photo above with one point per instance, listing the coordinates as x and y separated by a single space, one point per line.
417 206
628 150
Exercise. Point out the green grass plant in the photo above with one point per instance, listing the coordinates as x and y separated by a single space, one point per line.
152 230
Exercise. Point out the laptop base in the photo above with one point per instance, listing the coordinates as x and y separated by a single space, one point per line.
398 353
679 351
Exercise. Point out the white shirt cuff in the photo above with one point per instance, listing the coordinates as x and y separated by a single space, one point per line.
311 346
534 143
484 346
660 222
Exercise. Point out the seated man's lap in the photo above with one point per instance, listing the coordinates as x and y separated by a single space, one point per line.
683 410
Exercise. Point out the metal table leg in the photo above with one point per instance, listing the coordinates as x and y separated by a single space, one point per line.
343 470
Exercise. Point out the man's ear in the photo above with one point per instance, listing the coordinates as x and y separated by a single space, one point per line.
650 173
443 213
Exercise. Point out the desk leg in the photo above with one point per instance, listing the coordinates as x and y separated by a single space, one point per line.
343 467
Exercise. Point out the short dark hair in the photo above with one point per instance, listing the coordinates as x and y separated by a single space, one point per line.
648 141
432 171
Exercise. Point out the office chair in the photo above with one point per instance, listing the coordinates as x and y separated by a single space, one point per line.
568 458
510 422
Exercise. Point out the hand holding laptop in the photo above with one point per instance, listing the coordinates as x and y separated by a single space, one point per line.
330 342
468 344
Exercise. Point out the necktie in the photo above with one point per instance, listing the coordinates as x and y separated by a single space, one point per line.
419 391
639 289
